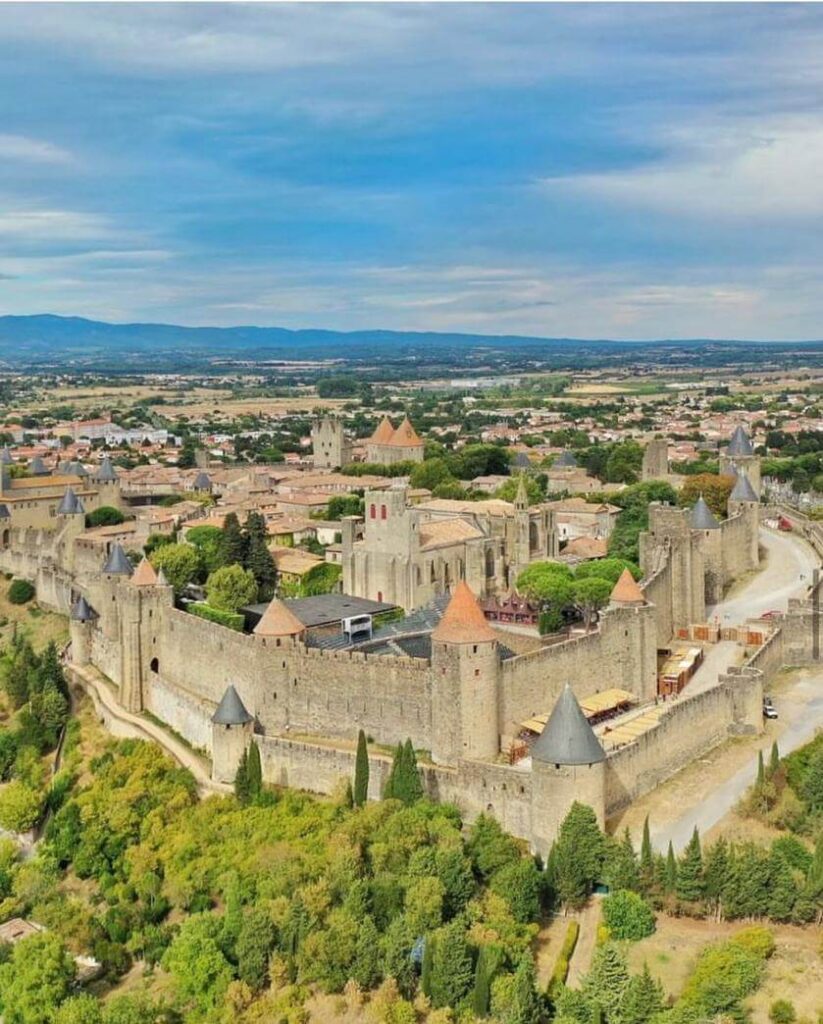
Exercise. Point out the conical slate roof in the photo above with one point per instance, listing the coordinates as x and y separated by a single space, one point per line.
522 461
77 469
37 467
567 737
703 517
231 710
144 575
740 443
565 460
4 512
70 504
521 499
730 470
117 564
463 620
626 590
106 472
81 610
743 490
279 620
5 456
202 482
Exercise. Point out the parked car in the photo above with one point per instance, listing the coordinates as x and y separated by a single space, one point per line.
769 711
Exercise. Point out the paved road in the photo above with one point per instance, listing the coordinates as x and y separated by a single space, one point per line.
787 574
789 566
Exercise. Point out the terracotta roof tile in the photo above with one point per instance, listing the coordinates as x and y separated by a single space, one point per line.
626 590
144 575
384 432
463 621
405 436
278 620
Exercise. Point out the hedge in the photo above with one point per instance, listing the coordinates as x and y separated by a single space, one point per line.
21 591
561 967
232 620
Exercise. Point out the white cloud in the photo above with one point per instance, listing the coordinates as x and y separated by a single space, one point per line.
25 149
53 225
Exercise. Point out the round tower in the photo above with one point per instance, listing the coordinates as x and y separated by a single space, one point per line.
744 501
465 670
231 732
704 525
107 483
739 456
81 621
568 765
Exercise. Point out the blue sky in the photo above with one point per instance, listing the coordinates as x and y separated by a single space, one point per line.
578 170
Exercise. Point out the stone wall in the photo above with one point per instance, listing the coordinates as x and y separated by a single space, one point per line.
690 728
188 716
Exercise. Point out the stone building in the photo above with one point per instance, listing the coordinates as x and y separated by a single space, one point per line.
739 456
411 554
655 460
387 446
330 446
35 500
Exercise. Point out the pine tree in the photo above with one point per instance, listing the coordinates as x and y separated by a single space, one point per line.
254 771
670 876
774 759
390 789
643 998
241 779
783 891
525 1008
361 771
233 542
690 871
646 860
260 563
578 855
621 865
605 984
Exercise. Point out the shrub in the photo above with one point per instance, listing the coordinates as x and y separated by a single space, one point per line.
231 620
628 915
755 940
21 591
561 967
782 1012
106 515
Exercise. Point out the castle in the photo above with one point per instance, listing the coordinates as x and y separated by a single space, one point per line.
387 446
443 676
410 555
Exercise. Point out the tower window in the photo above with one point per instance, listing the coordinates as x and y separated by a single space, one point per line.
372 512
382 511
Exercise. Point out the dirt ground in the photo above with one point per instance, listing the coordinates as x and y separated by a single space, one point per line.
794 972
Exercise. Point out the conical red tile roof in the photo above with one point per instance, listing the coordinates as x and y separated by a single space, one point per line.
463 620
384 432
144 575
626 590
278 620
406 436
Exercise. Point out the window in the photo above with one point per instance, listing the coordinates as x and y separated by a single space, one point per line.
382 511
372 512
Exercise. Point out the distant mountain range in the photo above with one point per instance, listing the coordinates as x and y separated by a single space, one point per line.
47 340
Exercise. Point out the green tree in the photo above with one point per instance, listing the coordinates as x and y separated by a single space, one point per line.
106 515
774 759
620 869
627 915
259 559
80 1009
20 806
390 787
452 970
519 883
255 941
411 789
690 871
38 977
607 981
578 855
782 1012
489 847
234 542
361 771
207 540
366 966
241 779
179 563
670 873
200 971
590 595
231 587
715 873
255 772
646 874
488 960
643 998
525 1008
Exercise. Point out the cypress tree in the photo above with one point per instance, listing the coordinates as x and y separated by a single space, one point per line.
783 891
366 967
255 772
646 859
260 563
716 873
412 786
774 759
426 968
690 871
390 790
525 1007
241 779
670 874
481 993
621 865
361 771
452 970
233 542
761 770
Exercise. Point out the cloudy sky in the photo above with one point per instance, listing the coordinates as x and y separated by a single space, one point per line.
577 170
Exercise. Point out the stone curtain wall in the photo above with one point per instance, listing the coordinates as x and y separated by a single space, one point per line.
188 716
